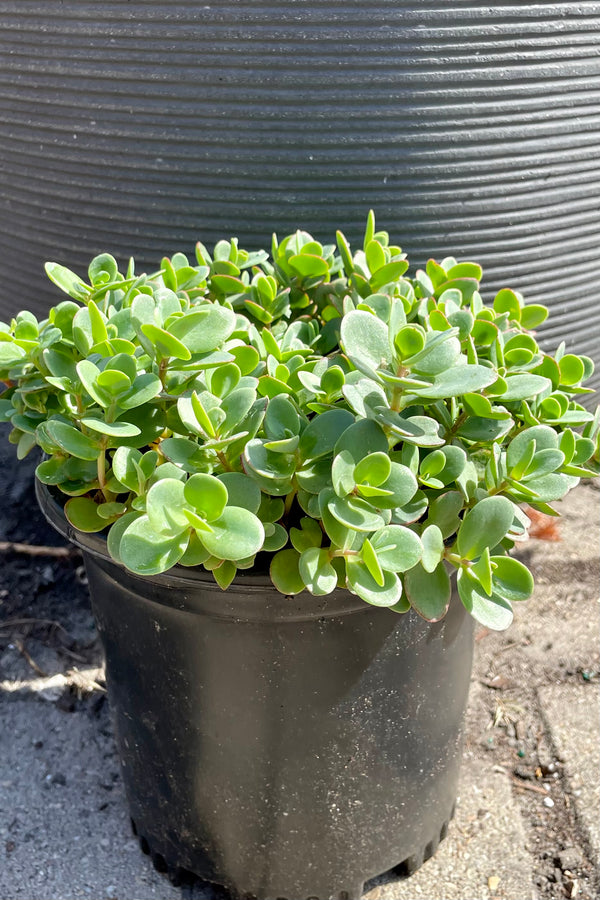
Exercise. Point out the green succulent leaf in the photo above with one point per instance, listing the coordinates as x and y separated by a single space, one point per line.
316 571
361 582
444 512
361 438
342 474
481 571
145 387
492 612
83 515
365 339
322 433
66 280
112 429
195 553
398 548
236 534
241 490
484 526
428 592
207 495
72 441
369 557
145 551
522 387
511 579
203 329
373 469
355 513
165 507
285 573
455 381
165 343
117 530
433 547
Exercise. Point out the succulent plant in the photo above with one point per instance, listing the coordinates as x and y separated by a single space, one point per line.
314 409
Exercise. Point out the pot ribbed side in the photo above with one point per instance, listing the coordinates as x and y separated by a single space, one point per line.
471 128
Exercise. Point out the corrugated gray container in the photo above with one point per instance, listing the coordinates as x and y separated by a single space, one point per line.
471 128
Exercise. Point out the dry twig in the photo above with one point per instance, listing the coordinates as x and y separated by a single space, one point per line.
38 550
529 787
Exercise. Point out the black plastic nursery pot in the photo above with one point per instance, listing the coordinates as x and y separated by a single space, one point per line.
284 747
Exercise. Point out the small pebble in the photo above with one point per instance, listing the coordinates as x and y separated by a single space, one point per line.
569 858
549 802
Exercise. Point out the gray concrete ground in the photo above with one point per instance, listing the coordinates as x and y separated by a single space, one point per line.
526 826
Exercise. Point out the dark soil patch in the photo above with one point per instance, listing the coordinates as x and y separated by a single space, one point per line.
46 625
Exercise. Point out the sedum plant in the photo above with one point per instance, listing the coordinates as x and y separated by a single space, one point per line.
315 408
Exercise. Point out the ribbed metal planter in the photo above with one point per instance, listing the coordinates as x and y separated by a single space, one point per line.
470 127
284 747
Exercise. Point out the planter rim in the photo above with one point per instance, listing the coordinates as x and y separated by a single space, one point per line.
249 597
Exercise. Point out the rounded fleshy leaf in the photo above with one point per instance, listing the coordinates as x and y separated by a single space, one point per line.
316 571
83 514
481 571
373 469
125 466
207 495
433 548
204 328
284 572
457 380
224 574
372 563
361 582
66 280
365 339
429 592
165 343
355 513
361 438
523 387
492 612
342 474
112 429
276 537
165 506
72 441
398 548
145 551
237 533
511 579
281 419
144 388
117 530
402 485
195 553
241 490
322 433
572 369
484 526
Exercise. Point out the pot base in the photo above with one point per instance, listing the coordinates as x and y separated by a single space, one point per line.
179 876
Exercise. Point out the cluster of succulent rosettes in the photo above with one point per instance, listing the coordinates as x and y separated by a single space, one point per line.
365 429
